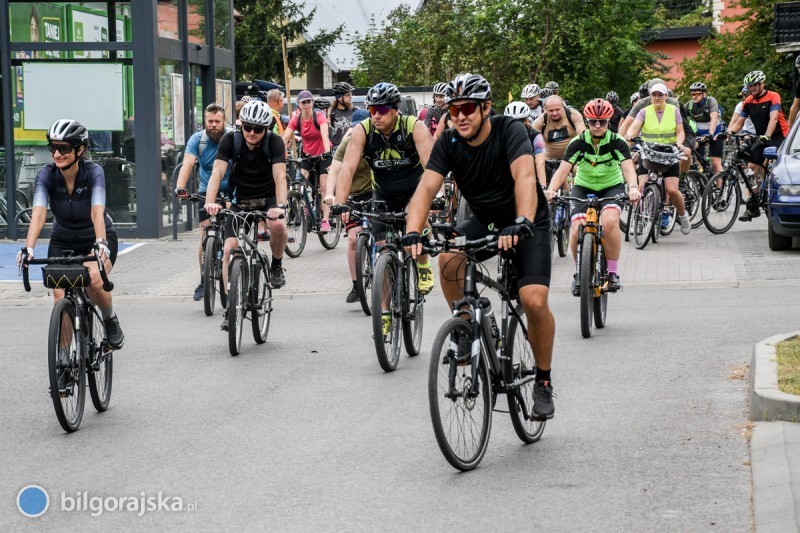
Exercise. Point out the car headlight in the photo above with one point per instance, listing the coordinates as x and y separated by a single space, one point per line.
789 190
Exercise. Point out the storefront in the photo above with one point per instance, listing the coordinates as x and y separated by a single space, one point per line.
137 74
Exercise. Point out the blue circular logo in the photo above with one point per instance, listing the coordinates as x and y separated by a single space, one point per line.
33 501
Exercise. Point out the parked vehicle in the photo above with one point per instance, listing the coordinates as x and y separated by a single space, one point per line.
784 193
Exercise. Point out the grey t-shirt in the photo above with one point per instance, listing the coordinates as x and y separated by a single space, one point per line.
702 113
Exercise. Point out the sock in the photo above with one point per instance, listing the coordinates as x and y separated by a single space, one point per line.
542 375
613 264
277 261
108 313
355 284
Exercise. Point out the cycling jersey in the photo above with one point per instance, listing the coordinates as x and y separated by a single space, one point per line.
251 177
758 109
537 111
362 178
339 122
748 124
72 213
616 119
206 161
701 113
597 168
394 160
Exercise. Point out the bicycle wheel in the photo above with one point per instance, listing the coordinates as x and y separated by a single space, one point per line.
643 217
66 366
413 305
387 340
562 235
600 302
586 277
461 417
364 271
330 239
721 200
209 275
659 208
629 216
236 305
260 302
101 363
672 213
692 196
624 218
520 402
223 290
296 225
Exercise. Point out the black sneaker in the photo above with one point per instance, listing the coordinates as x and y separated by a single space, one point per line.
198 293
114 333
576 287
614 284
276 276
352 296
543 407
750 215
224 325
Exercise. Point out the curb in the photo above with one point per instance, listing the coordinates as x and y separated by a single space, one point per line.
767 402
774 459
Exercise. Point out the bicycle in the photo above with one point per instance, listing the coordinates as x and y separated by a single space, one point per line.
213 245
366 250
560 223
77 345
474 360
249 289
591 267
304 211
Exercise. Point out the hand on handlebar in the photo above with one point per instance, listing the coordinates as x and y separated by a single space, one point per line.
343 210
102 251
212 208
549 194
634 194
275 213
24 255
510 235
181 193
329 199
412 242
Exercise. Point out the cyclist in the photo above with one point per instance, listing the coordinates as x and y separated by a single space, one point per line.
764 108
662 123
520 111
558 125
397 148
748 126
313 128
202 148
552 86
530 93
613 99
340 112
257 182
601 161
432 114
360 191
492 163
75 190
634 98
275 103
705 111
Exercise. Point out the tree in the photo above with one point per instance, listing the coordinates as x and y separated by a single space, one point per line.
258 39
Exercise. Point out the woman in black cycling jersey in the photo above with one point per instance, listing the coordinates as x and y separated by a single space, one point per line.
75 190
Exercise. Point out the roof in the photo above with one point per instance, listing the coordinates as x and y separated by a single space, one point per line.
674 34
355 15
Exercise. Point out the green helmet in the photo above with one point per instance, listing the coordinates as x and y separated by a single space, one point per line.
755 77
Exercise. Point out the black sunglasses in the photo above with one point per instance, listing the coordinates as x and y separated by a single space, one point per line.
62 149
250 127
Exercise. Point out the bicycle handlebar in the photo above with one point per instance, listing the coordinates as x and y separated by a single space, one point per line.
460 244
250 214
615 198
108 286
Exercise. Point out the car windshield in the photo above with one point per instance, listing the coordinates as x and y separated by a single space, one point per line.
794 145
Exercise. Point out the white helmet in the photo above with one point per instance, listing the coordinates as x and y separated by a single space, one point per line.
257 113
531 90
517 110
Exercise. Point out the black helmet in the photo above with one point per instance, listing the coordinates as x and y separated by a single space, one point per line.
468 87
383 94
698 86
545 93
70 131
342 88
553 86
644 90
612 98
322 103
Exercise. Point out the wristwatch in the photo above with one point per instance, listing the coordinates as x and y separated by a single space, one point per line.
281 206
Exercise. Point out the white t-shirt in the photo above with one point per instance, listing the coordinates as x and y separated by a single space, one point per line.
748 124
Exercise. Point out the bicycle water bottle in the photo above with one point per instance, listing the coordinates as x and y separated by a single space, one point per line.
493 323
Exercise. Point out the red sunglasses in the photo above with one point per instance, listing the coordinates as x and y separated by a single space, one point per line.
467 108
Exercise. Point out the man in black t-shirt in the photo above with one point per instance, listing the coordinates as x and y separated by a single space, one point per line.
257 182
492 163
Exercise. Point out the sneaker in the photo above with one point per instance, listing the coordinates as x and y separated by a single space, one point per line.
686 225
749 215
198 293
614 284
543 407
324 226
114 333
276 278
352 296
424 279
386 326
224 325
576 287
664 219
263 236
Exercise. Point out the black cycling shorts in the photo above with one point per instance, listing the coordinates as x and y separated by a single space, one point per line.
321 165
717 148
58 247
672 172
392 205
758 149
230 231
532 261
578 209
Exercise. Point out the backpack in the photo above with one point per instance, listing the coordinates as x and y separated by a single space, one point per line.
300 122
721 110
204 140
567 112
582 153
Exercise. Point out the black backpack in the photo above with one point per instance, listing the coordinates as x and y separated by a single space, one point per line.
238 142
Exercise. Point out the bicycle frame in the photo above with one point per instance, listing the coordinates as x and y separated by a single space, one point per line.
592 226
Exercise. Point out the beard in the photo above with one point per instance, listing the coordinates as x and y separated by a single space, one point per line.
215 135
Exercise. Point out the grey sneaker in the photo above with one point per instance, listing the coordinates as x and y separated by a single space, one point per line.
224 325
114 333
352 296
198 293
686 225
543 407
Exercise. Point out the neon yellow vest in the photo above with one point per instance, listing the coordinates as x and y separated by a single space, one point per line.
659 132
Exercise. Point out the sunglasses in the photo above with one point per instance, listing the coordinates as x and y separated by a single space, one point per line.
379 109
598 123
467 108
250 127
62 149
696 93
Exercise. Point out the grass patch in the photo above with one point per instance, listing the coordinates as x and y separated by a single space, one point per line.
788 358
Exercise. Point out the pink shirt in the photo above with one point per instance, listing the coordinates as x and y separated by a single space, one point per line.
312 137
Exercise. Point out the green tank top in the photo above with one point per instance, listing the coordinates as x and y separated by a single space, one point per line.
394 160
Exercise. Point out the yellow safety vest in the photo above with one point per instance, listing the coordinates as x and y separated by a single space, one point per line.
659 132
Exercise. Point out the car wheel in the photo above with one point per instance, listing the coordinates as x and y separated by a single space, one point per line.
777 242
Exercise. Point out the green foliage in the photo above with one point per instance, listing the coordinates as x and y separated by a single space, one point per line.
258 39
683 13
724 59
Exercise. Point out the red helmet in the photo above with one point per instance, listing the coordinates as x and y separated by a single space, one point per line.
598 109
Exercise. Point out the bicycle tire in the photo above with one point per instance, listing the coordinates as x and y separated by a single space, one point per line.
236 305
209 276
629 218
562 233
624 218
458 418
260 302
296 225
523 364
413 307
68 362
720 203
643 218
387 348
585 277
655 231
223 290
600 303
364 271
101 359
692 196
330 239
672 213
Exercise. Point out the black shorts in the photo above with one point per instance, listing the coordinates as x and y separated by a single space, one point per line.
358 198
532 260
758 149
672 172
716 147
58 247
392 205
321 165
230 232
578 209
202 215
